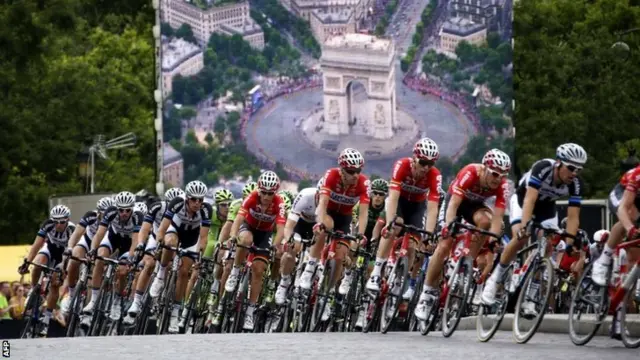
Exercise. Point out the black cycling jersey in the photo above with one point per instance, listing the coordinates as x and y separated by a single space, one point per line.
540 177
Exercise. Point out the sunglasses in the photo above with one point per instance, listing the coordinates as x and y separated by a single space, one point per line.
352 171
223 205
196 199
267 193
574 169
425 162
379 193
126 211
61 222
496 174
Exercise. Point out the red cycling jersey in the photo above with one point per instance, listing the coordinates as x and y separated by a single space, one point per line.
261 217
631 180
467 185
343 199
415 190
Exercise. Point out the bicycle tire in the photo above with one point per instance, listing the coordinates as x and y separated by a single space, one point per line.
167 304
400 268
142 319
191 304
523 339
107 322
626 340
325 289
462 274
96 319
240 302
575 338
503 305
32 320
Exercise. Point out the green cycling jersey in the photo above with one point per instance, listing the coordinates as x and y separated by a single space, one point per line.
217 222
234 208
373 215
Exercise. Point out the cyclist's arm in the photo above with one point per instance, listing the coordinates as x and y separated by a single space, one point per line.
236 224
496 221
226 230
628 198
102 230
292 220
573 222
363 217
528 204
377 229
37 245
432 215
452 208
162 230
206 213
392 204
321 210
75 236
433 201
144 233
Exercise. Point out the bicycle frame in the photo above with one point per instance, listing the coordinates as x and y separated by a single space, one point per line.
621 289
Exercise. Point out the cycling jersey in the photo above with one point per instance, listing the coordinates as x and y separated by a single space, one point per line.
55 242
304 206
217 222
343 199
186 226
155 215
234 207
415 190
631 181
90 222
540 177
260 218
467 185
372 216
119 232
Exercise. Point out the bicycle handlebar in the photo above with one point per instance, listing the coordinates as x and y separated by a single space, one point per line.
531 225
339 235
44 268
411 228
181 252
455 226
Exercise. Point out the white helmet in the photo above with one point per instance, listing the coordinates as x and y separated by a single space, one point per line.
125 200
140 207
105 203
426 149
59 212
601 236
196 189
173 193
571 153
350 159
268 181
497 161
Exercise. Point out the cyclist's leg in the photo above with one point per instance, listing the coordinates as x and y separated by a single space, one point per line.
148 266
342 223
314 255
385 245
42 258
55 254
245 238
170 239
481 217
104 250
73 269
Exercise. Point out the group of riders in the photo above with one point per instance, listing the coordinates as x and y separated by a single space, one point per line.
272 224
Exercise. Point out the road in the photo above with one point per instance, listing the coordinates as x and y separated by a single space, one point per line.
354 346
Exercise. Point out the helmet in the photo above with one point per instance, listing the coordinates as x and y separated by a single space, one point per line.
196 189
59 212
141 207
105 203
350 159
268 181
125 200
248 188
223 195
173 193
380 185
572 153
497 161
288 194
426 149
286 201
601 236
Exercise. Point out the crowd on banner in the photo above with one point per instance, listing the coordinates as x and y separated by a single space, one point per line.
12 299
424 86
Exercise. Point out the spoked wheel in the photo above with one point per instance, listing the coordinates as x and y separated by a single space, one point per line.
456 300
630 333
589 303
391 305
413 321
371 314
322 297
534 297
490 317
425 326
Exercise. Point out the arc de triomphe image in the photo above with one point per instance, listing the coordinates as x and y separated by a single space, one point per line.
367 59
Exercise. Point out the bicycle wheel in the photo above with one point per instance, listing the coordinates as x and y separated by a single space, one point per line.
397 284
322 296
239 303
490 317
425 326
456 300
75 307
542 270
31 314
630 334
168 297
585 296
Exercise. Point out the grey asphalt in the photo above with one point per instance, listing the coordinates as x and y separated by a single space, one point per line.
352 346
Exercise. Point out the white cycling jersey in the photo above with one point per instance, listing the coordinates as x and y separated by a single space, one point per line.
304 206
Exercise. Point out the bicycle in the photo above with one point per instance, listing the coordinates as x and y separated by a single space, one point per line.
167 298
79 297
32 324
604 300
461 280
413 320
398 279
197 300
148 309
116 327
356 296
324 295
104 299
302 301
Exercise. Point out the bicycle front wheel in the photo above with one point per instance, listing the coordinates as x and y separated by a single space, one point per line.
490 317
629 330
589 304
533 301
457 296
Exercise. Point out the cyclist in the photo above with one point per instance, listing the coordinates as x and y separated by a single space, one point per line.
573 262
79 244
624 201
260 211
147 235
341 188
118 231
300 221
47 249
222 273
535 197
467 197
415 192
600 238
186 224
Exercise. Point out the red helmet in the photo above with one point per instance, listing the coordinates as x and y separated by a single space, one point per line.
426 149
497 161
350 159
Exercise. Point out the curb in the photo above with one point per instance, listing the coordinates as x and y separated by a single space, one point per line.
552 324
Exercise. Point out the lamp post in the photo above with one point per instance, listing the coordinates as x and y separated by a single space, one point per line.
100 147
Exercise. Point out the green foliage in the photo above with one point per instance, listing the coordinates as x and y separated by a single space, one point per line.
69 70
416 40
283 20
571 85
383 23
185 32
166 30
